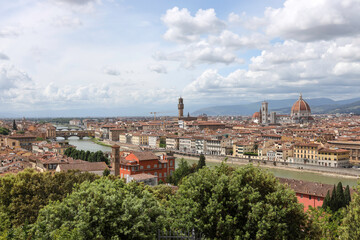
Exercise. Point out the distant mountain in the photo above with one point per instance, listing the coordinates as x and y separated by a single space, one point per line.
317 105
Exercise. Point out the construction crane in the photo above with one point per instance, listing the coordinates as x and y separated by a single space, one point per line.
154 114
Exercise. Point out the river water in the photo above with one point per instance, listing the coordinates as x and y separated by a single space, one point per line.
87 144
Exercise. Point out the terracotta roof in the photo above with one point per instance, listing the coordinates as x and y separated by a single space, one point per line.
143 156
84 167
300 105
142 176
312 188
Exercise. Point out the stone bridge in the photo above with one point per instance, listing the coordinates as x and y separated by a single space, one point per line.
77 133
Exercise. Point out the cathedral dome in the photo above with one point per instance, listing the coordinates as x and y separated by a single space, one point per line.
256 115
300 106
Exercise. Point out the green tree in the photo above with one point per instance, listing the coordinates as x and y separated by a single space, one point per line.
247 204
106 172
183 169
350 227
340 198
333 201
327 200
104 209
347 196
201 162
24 194
325 224
4 131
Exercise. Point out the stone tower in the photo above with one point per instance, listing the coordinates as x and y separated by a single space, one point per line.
115 155
181 107
264 113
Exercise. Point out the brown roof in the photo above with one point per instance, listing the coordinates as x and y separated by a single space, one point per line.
142 176
84 167
311 188
143 156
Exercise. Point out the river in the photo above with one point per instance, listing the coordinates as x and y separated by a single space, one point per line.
87 144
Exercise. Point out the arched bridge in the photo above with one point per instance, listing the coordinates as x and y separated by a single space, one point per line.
78 133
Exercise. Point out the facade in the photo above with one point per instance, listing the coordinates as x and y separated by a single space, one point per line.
148 163
352 146
172 142
25 141
200 146
273 118
213 146
185 145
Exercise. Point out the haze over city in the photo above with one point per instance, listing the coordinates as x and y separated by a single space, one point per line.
101 57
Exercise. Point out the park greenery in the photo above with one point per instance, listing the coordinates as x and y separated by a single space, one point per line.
221 203
86 155
4 131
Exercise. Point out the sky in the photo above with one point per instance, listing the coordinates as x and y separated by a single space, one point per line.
130 57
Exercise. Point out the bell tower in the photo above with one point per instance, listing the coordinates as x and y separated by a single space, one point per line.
181 107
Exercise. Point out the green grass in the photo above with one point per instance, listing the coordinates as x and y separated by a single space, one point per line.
97 141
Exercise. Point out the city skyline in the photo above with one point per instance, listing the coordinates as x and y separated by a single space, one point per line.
92 54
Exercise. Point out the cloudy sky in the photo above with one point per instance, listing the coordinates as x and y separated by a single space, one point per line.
136 56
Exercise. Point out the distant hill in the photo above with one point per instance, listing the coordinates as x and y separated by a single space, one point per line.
317 105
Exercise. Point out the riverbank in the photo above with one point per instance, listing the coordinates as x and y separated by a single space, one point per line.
97 141
291 169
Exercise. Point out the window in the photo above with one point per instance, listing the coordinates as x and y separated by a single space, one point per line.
148 166
301 196
155 173
159 165
171 163
318 199
141 167
160 175
155 165
309 197
164 174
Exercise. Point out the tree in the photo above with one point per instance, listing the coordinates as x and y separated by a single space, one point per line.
340 198
24 194
183 169
324 224
333 201
347 196
106 172
4 131
14 125
201 162
249 203
327 200
350 227
104 209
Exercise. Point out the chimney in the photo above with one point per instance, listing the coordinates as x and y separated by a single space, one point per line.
115 154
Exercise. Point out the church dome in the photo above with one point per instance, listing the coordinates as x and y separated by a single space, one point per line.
256 115
300 106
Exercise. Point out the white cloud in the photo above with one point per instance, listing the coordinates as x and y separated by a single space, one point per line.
3 56
183 28
111 71
314 20
12 77
158 68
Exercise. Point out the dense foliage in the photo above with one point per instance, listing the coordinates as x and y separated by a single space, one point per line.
338 199
249 203
221 203
4 131
183 169
86 156
104 209
201 162
24 194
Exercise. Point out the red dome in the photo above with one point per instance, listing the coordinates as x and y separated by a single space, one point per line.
256 115
300 105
